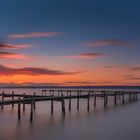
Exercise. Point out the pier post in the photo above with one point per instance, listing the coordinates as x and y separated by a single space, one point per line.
105 100
34 101
130 98
77 100
19 110
31 110
63 105
115 98
94 99
23 102
2 99
123 98
12 99
88 100
70 102
52 104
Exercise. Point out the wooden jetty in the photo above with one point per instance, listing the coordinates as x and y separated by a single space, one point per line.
62 95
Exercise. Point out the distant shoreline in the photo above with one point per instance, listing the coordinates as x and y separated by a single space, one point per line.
85 87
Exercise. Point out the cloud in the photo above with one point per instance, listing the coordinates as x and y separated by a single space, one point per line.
4 46
107 42
86 56
32 71
34 35
11 55
131 77
79 83
137 68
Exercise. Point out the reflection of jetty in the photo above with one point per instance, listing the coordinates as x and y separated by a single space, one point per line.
62 95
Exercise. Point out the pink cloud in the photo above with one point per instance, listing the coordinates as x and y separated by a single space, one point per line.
33 71
4 46
34 35
107 42
10 55
86 56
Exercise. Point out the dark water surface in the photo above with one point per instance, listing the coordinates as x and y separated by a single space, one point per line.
121 122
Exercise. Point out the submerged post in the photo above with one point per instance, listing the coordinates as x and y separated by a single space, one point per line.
12 99
94 99
23 102
2 99
70 102
52 104
19 110
88 98
77 100
34 101
123 97
63 104
115 98
31 111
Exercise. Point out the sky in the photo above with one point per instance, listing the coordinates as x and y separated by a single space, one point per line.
70 42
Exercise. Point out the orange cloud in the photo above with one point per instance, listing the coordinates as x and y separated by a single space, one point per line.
131 77
86 56
10 55
34 35
32 71
107 42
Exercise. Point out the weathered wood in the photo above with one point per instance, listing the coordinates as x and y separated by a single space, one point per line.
77 100
19 110
24 103
2 99
70 102
115 98
123 101
88 102
12 99
31 111
34 101
94 99
63 104
52 105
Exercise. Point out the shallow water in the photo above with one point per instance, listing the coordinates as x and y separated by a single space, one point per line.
121 122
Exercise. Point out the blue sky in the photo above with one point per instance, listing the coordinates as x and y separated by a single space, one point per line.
79 21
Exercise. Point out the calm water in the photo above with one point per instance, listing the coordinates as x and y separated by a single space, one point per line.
121 122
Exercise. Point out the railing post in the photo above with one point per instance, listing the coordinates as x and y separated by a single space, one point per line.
34 101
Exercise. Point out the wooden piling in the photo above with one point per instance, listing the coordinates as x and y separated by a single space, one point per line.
31 110
12 99
52 105
34 101
94 99
2 98
63 105
19 110
123 98
70 102
130 97
115 98
88 101
23 103
77 100
105 100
